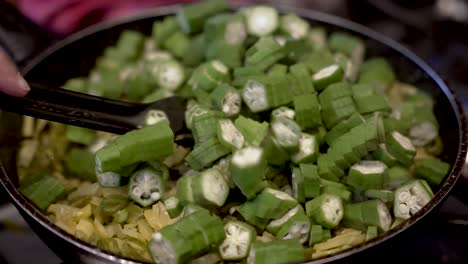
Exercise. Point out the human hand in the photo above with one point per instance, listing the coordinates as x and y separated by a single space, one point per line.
11 81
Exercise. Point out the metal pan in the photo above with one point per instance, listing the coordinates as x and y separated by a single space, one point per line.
76 55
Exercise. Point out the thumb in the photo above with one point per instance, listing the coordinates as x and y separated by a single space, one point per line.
11 81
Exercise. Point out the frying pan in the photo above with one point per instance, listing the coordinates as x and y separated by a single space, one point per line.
76 55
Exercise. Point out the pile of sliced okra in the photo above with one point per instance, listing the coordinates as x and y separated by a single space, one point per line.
294 134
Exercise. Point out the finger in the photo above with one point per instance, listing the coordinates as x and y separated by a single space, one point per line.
11 81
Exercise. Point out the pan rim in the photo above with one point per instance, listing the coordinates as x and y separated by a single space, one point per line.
311 15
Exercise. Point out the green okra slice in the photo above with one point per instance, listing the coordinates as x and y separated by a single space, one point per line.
362 90
307 110
206 153
318 234
195 53
231 55
226 27
120 216
145 144
247 211
253 131
276 251
326 210
223 166
367 213
371 233
378 72
80 135
42 191
184 189
117 178
278 70
383 155
372 103
276 225
326 76
209 188
272 204
294 26
343 193
191 208
205 126
311 180
162 30
287 133
80 163
192 17
264 53
282 111
410 198
343 127
173 206
296 227
317 37
130 44
239 237
228 135
327 169
401 148
227 99
155 116
263 93
383 195
395 177
337 110
274 153
432 170
194 109
304 83
318 60
297 184
347 44
261 20
367 174
308 149
147 185
335 91
208 76
248 170
170 75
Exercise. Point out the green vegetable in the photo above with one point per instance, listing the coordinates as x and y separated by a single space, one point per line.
432 170
367 175
192 17
253 131
247 170
239 237
206 153
42 191
147 185
80 135
307 110
173 206
80 164
276 251
410 198
326 76
326 210
368 213
261 20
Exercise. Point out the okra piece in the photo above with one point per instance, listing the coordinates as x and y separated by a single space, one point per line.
193 109
395 177
155 116
227 99
231 55
205 126
337 110
223 166
283 111
195 53
239 237
297 227
247 211
247 170
209 188
307 110
191 236
274 153
276 251
130 44
226 28
173 206
261 20
367 213
410 198
228 135
326 76
343 127
432 170
145 144
362 90
170 75
311 180
80 163
80 135
401 148
253 131
351 46
318 234
209 75
378 72
343 193
294 26
297 184
147 185
372 232
372 103
261 94
326 210
327 169
317 38
301 75
272 204
117 178
192 17
383 155
278 70
264 53
206 153
287 133
297 212
191 208
42 191
162 30
120 216
335 91
367 174
184 189
308 149
383 195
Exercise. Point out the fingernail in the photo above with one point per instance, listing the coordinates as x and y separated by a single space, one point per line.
22 84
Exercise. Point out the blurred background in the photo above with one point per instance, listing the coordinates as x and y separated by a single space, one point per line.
436 30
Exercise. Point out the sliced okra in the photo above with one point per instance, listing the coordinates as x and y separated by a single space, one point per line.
318 234
274 153
317 38
378 72
297 227
335 91
276 251
225 27
80 135
276 224
227 99
395 177
401 148
367 174
307 110
287 133
228 135
383 155
337 110
278 70
261 20
170 75
343 193
192 17
184 189
283 111
209 188
155 116
209 75
223 166
432 170
362 90
206 153
204 126
326 76
311 180
294 26
367 213
231 55
177 44
383 195
326 210
239 237
261 94
253 131
343 127
272 204
247 170
42 191
371 103
301 75
194 109
147 185
163 29
115 179
173 206
308 149
410 198
297 184
371 233
247 211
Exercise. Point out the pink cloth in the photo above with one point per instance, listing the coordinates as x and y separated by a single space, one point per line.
67 16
